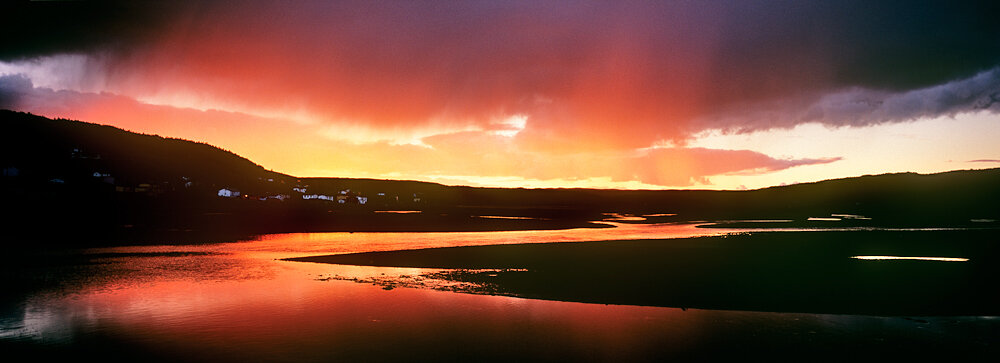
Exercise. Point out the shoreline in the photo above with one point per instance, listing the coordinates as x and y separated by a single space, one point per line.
40 234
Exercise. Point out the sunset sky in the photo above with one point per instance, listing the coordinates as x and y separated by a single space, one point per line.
633 94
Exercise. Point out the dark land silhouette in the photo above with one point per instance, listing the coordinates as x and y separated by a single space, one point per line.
811 272
75 183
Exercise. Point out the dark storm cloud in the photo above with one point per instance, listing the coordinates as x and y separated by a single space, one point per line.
913 44
776 48
38 28
12 89
862 106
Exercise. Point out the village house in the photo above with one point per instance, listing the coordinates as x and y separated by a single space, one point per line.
227 193
317 196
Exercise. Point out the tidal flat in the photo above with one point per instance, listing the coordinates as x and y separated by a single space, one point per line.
888 273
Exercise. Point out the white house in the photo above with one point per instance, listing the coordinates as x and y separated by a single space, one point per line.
317 196
228 193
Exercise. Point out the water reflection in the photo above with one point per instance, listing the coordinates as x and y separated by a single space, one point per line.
288 318
170 284
307 244
237 301
943 259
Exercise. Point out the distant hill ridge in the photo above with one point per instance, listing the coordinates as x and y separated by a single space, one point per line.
40 149
64 149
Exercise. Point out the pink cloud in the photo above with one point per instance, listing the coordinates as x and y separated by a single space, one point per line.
291 147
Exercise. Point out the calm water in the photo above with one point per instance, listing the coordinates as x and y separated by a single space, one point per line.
237 301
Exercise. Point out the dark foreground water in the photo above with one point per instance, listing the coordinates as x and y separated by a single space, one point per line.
240 302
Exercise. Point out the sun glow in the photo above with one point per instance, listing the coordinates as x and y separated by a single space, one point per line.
514 125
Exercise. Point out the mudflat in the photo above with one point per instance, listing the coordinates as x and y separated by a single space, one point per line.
815 271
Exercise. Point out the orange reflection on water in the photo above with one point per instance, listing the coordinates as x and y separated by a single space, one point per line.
244 291
309 244
289 315
239 302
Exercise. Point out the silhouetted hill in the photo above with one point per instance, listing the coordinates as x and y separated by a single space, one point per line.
944 199
43 152
102 183
902 199
41 148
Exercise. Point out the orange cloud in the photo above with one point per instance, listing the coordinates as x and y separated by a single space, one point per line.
301 149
